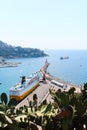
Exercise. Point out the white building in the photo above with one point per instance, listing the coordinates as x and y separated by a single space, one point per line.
2 59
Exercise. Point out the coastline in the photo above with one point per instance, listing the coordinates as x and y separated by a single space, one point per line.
8 64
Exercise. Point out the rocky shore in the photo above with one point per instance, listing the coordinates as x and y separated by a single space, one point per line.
4 64
8 64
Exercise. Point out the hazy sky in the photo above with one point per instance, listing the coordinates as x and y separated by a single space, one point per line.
44 24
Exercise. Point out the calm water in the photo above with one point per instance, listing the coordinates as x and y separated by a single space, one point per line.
73 69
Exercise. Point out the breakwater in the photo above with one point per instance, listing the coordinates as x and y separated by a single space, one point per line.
43 89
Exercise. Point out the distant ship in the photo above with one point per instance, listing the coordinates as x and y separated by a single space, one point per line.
24 87
62 58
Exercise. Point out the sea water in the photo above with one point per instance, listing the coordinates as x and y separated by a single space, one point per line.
73 70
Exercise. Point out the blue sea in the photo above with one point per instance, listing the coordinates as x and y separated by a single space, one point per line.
73 70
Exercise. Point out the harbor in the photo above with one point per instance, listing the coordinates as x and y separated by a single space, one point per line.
45 84
49 99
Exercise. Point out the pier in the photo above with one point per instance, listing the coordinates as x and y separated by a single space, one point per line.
42 90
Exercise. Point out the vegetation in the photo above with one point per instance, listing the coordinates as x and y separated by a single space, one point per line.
8 51
67 112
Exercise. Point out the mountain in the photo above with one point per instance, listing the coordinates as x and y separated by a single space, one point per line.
9 51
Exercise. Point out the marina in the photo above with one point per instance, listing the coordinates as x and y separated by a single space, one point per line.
42 90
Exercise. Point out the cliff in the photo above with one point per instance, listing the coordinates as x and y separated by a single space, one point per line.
9 51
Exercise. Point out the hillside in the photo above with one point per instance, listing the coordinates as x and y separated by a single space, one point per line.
9 51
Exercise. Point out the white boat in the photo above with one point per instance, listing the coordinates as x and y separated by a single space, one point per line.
24 87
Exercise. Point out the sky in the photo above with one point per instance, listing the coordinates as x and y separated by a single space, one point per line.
44 24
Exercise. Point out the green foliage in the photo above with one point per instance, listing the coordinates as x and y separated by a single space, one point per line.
4 120
85 86
68 111
71 91
84 91
4 98
12 102
35 97
2 107
48 108
64 99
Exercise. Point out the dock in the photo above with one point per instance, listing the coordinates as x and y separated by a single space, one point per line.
42 90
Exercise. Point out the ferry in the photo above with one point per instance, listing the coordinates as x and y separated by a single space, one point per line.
24 87
64 58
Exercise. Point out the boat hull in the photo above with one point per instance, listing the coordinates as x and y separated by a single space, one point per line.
21 97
